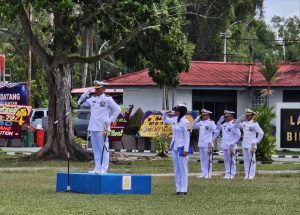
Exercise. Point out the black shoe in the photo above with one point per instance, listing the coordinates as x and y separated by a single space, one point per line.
184 193
178 193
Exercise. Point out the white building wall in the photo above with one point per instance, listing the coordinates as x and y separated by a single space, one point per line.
242 102
184 96
144 98
151 98
276 97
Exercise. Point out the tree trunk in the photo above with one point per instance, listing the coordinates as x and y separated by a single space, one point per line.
165 98
86 51
61 135
269 94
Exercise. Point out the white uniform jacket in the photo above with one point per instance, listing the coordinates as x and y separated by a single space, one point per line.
250 129
181 135
104 110
208 132
230 134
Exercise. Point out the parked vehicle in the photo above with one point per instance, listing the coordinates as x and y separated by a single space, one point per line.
81 121
37 115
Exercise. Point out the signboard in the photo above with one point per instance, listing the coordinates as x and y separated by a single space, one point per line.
126 182
12 118
13 93
117 127
290 128
153 125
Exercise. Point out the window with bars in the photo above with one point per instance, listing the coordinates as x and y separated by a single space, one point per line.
259 99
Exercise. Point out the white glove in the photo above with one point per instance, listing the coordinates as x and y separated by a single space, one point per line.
210 147
162 112
87 93
107 125
221 119
241 118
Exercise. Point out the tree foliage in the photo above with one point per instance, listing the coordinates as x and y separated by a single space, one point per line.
289 32
266 148
119 22
218 17
270 71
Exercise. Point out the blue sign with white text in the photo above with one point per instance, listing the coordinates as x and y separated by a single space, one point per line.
13 93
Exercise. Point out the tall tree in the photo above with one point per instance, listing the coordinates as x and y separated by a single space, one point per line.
117 21
288 32
165 50
217 17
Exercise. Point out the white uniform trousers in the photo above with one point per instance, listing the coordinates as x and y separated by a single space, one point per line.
97 140
229 159
180 165
247 155
204 161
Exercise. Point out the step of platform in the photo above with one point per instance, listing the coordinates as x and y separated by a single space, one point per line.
109 183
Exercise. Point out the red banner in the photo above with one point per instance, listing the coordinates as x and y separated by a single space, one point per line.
12 118
2 64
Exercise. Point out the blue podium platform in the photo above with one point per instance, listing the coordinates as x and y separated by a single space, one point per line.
109 183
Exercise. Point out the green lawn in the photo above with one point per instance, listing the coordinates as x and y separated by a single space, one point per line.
32 191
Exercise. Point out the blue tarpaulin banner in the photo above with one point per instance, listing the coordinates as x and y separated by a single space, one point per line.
13 93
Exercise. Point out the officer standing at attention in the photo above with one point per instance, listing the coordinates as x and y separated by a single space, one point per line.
230 137
104 110
179 146
208 133
253 134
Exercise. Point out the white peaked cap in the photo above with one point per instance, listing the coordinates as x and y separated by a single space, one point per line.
204 111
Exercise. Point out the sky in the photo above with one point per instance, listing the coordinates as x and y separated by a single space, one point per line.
282 8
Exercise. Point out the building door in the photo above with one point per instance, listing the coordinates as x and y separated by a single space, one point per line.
214 100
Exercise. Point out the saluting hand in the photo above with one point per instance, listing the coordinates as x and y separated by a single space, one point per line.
221 119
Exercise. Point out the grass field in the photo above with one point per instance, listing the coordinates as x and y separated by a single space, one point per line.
28 190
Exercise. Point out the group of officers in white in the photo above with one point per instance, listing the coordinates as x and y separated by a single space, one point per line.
105 110
208 133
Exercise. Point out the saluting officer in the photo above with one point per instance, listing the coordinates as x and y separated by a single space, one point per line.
208 133
179 146
104 110
230 136
253 134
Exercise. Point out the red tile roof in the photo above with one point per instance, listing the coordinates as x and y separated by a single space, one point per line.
289 76
217 74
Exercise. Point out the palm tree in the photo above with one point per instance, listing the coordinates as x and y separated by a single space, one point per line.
270 71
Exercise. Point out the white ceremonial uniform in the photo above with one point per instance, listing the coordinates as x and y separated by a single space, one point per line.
253 134
230 137
104 110
180 137
208 133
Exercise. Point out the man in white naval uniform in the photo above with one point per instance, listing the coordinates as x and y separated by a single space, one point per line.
230 137
104 110
180 140
208 133
253 134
